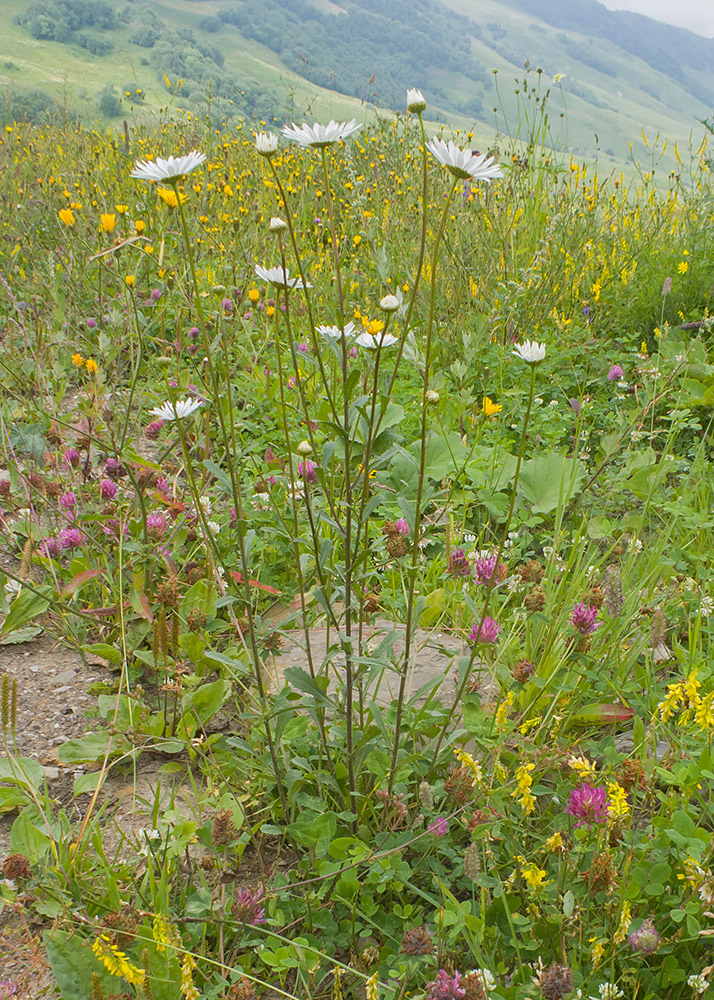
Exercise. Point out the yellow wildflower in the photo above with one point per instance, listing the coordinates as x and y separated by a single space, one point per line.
107 222
597 950
584 768
501 718
523 794
115 962
188 989
624 925
490 408
122 209
169 197
467 761
555 843
254 296
372 987
92 366
683 267
618 806
533 875
130 280
375 326
67 216
357 240
704 712
270 311
78 360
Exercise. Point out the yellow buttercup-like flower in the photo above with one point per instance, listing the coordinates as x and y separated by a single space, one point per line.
490 408
130 280
107 222
78 360
67 216
91 366
170 197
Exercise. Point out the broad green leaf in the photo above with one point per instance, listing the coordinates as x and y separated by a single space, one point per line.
550 481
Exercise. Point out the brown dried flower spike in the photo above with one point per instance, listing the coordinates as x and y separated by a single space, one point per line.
417 942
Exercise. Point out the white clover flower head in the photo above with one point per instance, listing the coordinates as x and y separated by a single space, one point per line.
373 341
698 984
390 303
279 277
415 101
608 991
277 225
463 163
335 333
530 351
485 979
167 170
176 409
318 136
266 143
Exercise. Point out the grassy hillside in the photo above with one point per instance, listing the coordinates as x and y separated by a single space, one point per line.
482 65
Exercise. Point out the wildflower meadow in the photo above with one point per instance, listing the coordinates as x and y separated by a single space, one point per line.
375 469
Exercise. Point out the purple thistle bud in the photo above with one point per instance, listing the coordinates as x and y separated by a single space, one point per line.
71 458
439 826
615 373
645 939
114 469
446 987
247 906
68 500
49 547
193 348
194 333
91 323
306 470
156 426
70 538
402 526
227 305
156 524
485 567
587 805
583 618
486 631
459 564
107 489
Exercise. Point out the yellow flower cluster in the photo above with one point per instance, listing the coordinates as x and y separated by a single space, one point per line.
115 962
523 794
584 768
624 925
467 761
618 806
684 698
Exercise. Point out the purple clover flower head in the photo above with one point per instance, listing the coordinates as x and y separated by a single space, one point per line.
173 384
248 907
446 987
459 564
112 529
70 538
353 352
402 526
49 548
587 805
71 458
304 347
162 484
485 567
68 500
306 470
583 618
91 323
114 469
194 333
193 348
615 373
107 489
155 294
156 426
227 305
645 939
439 826
156 524
487 631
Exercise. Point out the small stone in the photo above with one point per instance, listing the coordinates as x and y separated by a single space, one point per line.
51 773
57 741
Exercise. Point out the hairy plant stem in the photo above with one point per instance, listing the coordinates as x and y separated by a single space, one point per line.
420 490
347 640
492 582
237 500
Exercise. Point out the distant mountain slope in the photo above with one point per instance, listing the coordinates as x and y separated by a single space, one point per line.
607 74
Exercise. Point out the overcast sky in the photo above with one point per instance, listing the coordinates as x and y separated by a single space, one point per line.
697 15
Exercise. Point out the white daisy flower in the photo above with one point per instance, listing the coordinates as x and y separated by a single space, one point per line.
266 143
463 163
277 225
167 170
279 276
531 352
318 136
334 332
373 341
176 409
415 101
